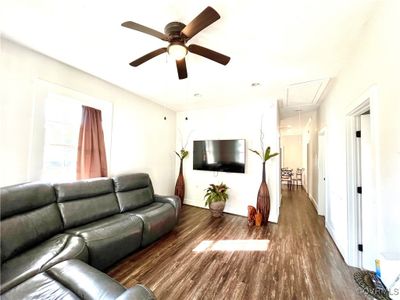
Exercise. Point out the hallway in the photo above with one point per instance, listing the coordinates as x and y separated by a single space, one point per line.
315 259
300 260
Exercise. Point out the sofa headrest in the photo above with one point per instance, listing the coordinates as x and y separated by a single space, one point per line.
20 198
83 189
130 182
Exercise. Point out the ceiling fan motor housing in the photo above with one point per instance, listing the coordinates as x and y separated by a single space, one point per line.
173 30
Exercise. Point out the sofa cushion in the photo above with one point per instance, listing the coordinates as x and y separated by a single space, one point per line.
21 232
85 281
83 189
59 248
110 239
86 201
72 279
158 219
29 216
175 201
133 191
41 286
21 198
137 292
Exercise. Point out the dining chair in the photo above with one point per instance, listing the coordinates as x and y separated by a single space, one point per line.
297 178
286 177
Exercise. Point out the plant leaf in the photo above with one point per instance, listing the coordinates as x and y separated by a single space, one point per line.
256 152
272 155
184 153
268 150
215 193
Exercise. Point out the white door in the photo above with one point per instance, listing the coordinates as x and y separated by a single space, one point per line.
321 174
368 203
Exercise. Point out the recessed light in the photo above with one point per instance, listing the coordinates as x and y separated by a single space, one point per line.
254 84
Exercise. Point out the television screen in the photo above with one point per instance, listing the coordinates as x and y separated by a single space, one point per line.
219 155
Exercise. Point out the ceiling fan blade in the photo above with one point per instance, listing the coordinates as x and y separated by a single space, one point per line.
181 66
148 56
144 29
210 54
204 19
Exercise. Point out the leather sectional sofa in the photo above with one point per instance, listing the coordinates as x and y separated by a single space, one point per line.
56 239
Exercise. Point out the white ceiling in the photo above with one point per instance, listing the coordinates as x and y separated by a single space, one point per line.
275 43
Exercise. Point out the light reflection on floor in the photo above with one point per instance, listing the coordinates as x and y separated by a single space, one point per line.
232 245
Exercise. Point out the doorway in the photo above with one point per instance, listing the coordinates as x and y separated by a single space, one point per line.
362 210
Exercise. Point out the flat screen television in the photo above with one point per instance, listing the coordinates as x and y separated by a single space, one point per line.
219 155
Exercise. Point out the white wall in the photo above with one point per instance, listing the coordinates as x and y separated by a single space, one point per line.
310 137
141 140
376 61
235 122
292 151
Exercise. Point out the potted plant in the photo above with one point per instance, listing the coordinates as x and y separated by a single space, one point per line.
216 196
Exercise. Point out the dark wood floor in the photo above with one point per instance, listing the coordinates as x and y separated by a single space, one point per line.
300 262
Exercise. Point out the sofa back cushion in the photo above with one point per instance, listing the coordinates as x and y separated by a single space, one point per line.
85 201
29 215
133 191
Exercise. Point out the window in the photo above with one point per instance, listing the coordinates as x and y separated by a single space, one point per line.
62 123
55 134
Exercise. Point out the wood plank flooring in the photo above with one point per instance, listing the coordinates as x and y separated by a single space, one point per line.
300 262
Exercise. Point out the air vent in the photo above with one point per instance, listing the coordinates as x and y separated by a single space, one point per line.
306 93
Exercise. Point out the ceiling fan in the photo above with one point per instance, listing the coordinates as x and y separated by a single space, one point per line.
177 35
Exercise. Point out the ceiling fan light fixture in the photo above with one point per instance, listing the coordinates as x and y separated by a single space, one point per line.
177 35
177 50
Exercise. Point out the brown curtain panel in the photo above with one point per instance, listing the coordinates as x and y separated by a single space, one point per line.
91 160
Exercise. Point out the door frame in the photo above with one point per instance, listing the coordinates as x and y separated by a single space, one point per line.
367 101
323 210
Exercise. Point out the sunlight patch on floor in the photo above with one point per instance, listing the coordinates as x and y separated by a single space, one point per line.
232 245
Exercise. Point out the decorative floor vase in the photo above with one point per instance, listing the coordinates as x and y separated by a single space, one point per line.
217 208
180 184
263 200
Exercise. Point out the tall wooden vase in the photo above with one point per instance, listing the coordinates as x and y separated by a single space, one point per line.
263 200
180 184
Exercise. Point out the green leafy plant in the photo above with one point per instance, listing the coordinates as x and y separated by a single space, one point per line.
265 155
183 153
216 193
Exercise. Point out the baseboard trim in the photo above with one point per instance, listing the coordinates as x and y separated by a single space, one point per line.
195 204
331 232
313 202
272 219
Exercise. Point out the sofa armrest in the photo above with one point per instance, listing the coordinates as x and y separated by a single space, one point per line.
85 281
175 201
138 292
